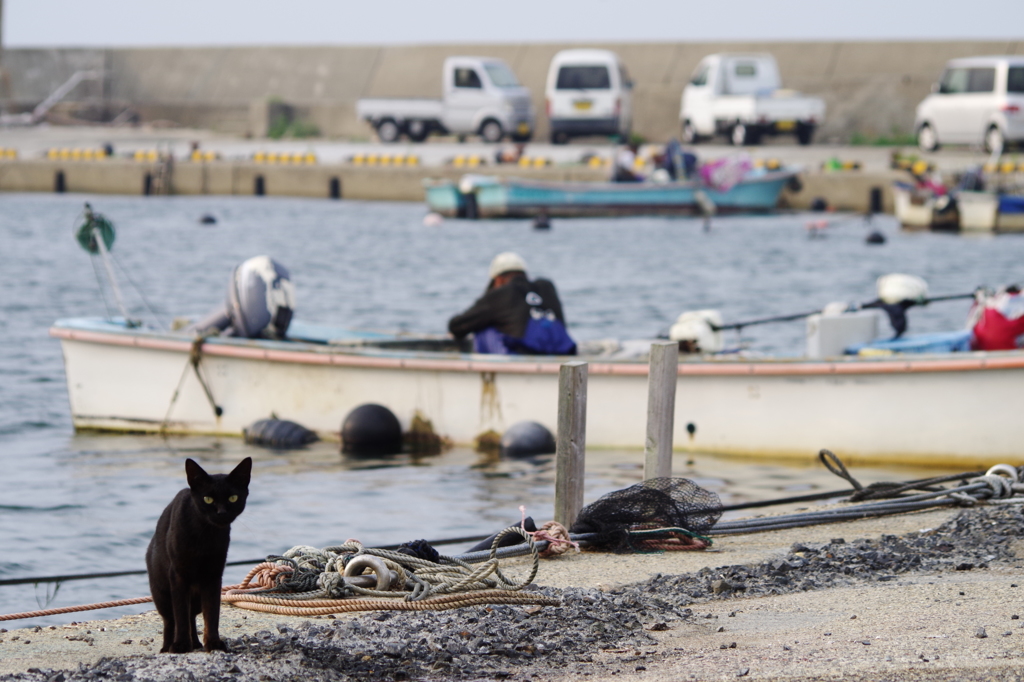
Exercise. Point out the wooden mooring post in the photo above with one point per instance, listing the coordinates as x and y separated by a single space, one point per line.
661 409
570 452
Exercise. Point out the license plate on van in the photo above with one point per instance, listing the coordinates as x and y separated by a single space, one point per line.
523 128
583 104
785 125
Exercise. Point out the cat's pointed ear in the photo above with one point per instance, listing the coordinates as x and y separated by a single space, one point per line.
241 473
195 473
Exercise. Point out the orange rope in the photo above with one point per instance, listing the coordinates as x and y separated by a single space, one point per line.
75 609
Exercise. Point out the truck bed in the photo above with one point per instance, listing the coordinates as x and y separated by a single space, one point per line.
399 109
773 107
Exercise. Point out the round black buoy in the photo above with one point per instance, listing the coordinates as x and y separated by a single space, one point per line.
875 237
371 430
208 219
527 439
819 204
542 222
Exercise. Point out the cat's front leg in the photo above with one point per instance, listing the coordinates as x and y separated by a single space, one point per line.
195 607
211 619
181 602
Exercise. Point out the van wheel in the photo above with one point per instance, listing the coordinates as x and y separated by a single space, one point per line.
927 140
417 131
804 133
690 135
994 140
738 134
388 131
742 135
491 131
560 137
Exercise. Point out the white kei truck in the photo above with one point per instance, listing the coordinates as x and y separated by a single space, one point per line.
741 97
481 96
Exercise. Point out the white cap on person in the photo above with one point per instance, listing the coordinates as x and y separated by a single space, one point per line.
506 262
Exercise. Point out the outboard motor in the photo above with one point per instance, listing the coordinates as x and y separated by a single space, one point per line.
897 293
261 301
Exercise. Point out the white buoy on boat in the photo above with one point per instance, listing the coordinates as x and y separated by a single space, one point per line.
699 328
895 288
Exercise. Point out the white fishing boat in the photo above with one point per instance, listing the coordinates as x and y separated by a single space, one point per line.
921 208
955 409
926 400
990 212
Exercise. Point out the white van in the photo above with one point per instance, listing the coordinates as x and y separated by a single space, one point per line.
588 92
979 100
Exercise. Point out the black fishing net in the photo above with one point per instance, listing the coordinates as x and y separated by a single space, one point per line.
620 518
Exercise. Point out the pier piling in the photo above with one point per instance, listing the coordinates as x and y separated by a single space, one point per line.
661 408
570 452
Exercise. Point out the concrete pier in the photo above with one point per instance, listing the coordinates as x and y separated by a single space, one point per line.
846 191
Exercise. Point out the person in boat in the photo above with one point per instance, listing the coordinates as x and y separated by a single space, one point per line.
677 163
624 169
997 321
516 315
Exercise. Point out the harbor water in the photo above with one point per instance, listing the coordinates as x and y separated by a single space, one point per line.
88 503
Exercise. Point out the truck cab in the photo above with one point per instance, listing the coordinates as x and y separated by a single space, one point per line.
741 97
480 96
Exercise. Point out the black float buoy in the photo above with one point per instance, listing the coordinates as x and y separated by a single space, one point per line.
874 237
371 430
819 204
527 439
208 219
542 222
279 434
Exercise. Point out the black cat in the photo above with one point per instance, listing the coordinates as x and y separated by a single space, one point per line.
186 556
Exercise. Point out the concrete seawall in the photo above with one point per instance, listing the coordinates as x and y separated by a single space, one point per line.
871 88
848 191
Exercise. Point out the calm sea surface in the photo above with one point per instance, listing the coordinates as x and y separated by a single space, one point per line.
84 503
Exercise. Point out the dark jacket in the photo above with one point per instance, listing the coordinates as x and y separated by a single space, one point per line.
507 308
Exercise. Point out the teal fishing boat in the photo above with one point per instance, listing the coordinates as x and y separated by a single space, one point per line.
481 196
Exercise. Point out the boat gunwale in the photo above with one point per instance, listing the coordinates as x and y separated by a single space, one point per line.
646 187
348 357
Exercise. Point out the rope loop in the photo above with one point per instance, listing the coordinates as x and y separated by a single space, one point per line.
836 466
998 486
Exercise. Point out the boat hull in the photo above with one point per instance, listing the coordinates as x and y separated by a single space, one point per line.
515 197
959 409
990 212
916 209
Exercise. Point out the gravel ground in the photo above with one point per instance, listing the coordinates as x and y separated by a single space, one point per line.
931 604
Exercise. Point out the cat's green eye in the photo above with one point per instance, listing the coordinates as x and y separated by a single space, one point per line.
208 500
233 498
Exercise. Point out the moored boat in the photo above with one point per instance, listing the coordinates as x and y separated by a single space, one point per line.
477 196
920 207
991 212
955 409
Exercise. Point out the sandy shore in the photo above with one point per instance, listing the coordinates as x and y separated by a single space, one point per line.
794 604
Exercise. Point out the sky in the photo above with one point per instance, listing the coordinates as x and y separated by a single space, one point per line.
63 23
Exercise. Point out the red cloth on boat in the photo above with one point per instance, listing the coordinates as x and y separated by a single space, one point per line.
1000 324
